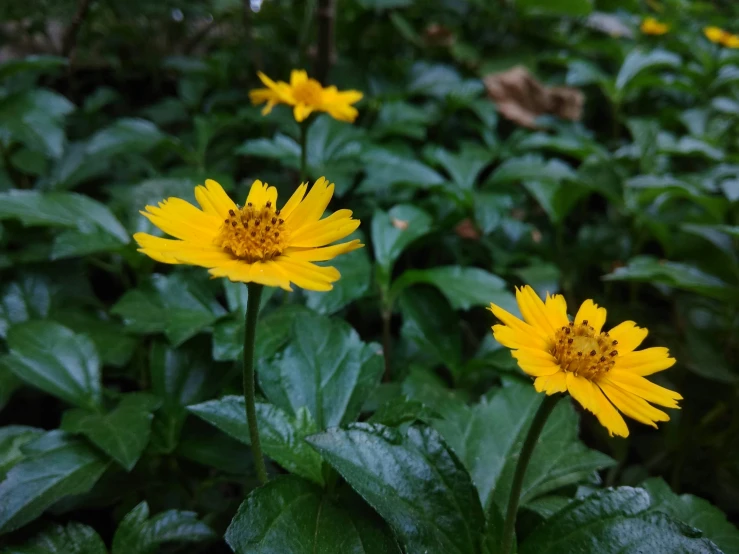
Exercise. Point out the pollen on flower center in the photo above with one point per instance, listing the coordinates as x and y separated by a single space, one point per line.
253 234
308 92
578 349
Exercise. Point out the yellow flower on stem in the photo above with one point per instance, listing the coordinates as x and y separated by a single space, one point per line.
306 95
715 34
731 41
257 242
602 370
650 26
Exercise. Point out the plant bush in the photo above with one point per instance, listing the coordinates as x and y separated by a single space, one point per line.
389 417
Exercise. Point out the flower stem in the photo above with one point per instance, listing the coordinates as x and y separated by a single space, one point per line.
537 424
303 151
252 312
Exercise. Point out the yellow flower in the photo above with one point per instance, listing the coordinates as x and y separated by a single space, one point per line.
257 242
714 34
650 26
599 369
730 41
306 95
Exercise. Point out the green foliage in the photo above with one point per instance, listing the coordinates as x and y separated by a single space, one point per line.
390 418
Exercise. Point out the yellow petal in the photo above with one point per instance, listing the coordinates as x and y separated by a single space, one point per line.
261 193
590 312
313 206
551 384
557 308
297 77
628 335
219 198
263 273
534 311
584 391
514 323
634 406
639 386
609 417
307 275
516 338
323 254
178 252
536 363
302 111
294 201
645 362
184 221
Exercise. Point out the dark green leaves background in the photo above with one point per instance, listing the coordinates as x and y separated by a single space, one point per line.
390 417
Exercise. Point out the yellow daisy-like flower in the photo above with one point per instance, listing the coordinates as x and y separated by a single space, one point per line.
603 371
306 95
257 242
650 26
714 34
719 36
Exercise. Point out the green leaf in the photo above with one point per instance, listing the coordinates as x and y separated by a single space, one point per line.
56 360
35 118
431 324
115 347
140 534
694 511
125 136
463 167
326 368
12 438
178 304
61 209
74 244
58 467
414 481
531 167
201 445
614 521
356 276
282 435
673 274
30 64
74 538
556 7
464 287
122 433
281 147
638 61
385 169
27 298
291 515
490 451
403 119
394 231
557 199
273 332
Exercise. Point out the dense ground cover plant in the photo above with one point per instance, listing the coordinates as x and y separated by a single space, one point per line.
390 416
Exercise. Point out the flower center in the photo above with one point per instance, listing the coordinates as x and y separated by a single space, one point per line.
579 350
253 235
308 92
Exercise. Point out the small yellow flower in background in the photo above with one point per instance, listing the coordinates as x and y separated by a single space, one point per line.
306 95
719 36
650 26
256 243
599 369
731 41
714 34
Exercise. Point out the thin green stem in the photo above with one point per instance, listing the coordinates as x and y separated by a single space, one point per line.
303 151
252 312
540 418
